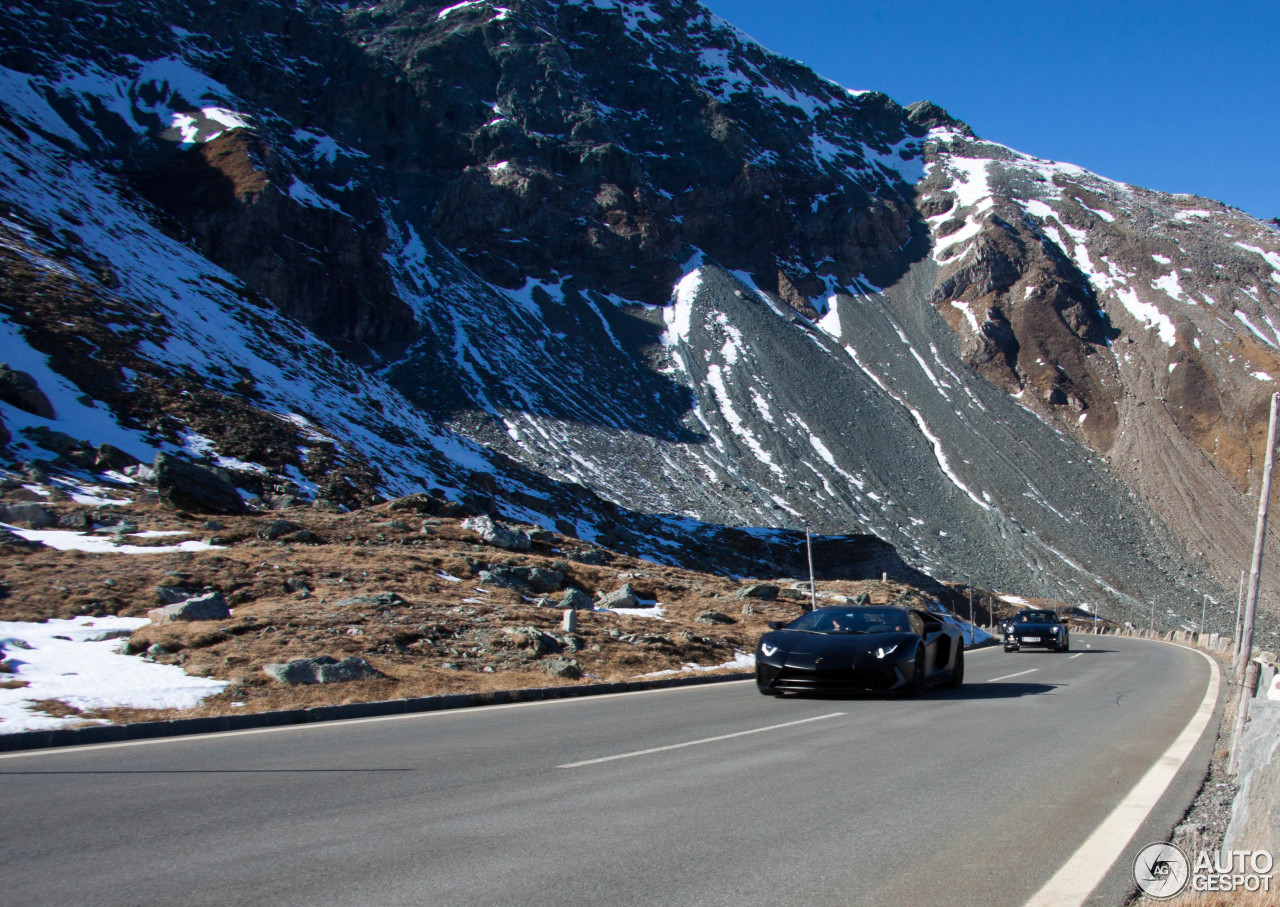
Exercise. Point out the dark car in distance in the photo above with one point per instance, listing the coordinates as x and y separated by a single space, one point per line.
1036 628
860 649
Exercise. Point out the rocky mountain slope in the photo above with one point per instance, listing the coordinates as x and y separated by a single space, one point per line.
615 269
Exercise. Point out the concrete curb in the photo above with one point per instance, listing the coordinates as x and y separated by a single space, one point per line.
180 727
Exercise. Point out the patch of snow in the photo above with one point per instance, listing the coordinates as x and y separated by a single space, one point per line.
830 322
1244 319
67 540
1170 286
679 315
742 661
70 661
967 309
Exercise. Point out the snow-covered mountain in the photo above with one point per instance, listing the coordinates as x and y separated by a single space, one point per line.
616 269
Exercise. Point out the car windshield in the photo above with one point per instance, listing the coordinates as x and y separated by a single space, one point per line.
1037 617
852 620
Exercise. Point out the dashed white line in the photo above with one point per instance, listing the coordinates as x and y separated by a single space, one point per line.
676 746
1007 676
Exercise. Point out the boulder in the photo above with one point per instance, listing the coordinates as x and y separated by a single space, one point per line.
765 592
496 534
532 640
322 669
185 486
714 617
577 600
210 606
619 598
380 600
77 521
178 587
278 529
593 557
21 390
28 515
560 666
106 457
539 579
427 505
503 578
524 579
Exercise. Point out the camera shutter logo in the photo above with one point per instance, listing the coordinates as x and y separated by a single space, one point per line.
1161 870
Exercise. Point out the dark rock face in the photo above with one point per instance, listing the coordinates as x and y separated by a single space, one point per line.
245 212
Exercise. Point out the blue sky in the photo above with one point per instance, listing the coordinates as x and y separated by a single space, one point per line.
1177 96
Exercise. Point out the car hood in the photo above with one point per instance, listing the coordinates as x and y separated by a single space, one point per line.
1033 628
834 650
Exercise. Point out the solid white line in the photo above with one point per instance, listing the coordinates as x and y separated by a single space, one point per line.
1087 866
677 746
1077 655
1007 676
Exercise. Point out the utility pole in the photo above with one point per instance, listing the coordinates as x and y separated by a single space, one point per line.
813 588
1235 640
1259 542
1200 637
1251 604
968 581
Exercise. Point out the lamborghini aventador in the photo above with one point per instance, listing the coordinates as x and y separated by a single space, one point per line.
860 649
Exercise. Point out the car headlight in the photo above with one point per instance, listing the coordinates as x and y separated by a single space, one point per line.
1054 630
886 650
767 649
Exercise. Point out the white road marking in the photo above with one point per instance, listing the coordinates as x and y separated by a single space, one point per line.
1087 866
677 746
1007 676
1077 655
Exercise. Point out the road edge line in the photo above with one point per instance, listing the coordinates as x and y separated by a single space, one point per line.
1086 868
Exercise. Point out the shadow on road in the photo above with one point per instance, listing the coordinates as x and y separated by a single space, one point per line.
969 691
1068 654
993 690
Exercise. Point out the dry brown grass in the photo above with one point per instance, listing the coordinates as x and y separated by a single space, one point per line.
446 637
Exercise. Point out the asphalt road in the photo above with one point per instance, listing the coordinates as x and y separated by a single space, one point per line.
692 796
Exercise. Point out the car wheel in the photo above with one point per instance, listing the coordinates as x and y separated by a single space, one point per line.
957 673
1066 644
1010 648
915 686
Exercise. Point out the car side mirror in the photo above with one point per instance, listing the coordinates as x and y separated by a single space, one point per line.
775 625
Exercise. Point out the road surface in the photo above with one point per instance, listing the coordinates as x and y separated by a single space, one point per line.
705 795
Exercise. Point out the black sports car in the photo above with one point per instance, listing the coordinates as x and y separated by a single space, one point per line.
1036 628
857 649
